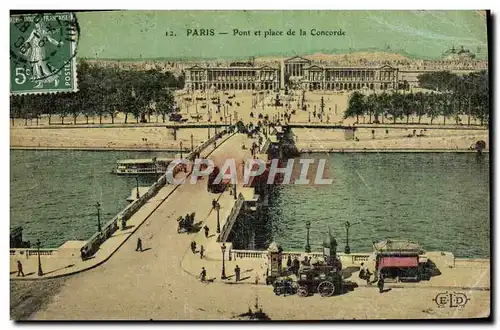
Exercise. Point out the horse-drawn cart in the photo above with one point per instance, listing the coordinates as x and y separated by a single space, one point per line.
323 279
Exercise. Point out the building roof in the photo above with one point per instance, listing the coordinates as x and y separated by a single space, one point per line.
195 67
267 67
143 161
218 68
313 67
397 245
297 59
349 67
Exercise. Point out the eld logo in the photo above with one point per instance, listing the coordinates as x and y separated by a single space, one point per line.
454 299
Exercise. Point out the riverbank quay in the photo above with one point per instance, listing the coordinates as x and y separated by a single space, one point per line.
141 138
66 260
394 139
451 273
157 283
168 138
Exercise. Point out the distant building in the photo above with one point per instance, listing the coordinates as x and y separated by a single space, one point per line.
299 72
350 78
460 54
232 77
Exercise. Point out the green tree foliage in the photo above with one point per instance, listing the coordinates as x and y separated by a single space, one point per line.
451 95
104 92
356 107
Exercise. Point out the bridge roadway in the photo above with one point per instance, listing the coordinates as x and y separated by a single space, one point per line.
158 283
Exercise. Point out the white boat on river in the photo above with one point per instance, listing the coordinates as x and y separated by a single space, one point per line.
142 166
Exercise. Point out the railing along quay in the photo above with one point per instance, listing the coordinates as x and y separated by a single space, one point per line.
354 258
30 252
95 241
228 225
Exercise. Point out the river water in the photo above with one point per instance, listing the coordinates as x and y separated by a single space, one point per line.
53 193
440 200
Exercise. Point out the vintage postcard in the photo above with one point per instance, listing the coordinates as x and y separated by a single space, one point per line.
236 165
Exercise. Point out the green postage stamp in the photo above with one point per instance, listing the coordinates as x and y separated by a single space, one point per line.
42 53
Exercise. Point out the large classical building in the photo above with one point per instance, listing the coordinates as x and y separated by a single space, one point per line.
240 77
302 73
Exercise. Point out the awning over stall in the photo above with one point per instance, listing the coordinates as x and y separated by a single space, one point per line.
398 262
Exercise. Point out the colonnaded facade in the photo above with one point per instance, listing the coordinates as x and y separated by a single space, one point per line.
300 73
241 77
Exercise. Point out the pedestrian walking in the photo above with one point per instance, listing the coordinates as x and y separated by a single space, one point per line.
296 265
288 261
362 272
381 283
203 274
207 230
193 246
20 269
139 245
202 251
237 272
368 275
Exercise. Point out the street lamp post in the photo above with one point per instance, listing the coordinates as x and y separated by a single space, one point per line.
217 208
40 271
137 187
180 145
223 249
308 246
98 206
347 249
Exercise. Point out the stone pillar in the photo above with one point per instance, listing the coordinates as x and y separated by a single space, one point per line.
324 78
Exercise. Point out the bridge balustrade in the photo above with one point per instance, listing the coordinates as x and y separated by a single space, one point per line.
112 226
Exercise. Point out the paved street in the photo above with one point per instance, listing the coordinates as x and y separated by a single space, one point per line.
153 284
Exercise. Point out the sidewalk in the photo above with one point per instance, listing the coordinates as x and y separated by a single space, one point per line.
212 261
54 266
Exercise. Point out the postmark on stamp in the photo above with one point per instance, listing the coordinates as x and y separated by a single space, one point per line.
43 53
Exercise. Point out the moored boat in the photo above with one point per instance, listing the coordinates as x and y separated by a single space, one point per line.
142 166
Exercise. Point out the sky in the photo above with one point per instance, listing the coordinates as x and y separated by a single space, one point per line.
163 34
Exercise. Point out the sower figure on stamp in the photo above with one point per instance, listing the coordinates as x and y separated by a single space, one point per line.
36 54
139 245
20 269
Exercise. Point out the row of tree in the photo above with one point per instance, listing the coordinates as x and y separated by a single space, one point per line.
450 95
104 92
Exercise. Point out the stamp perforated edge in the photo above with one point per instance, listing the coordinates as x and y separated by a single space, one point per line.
74 63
